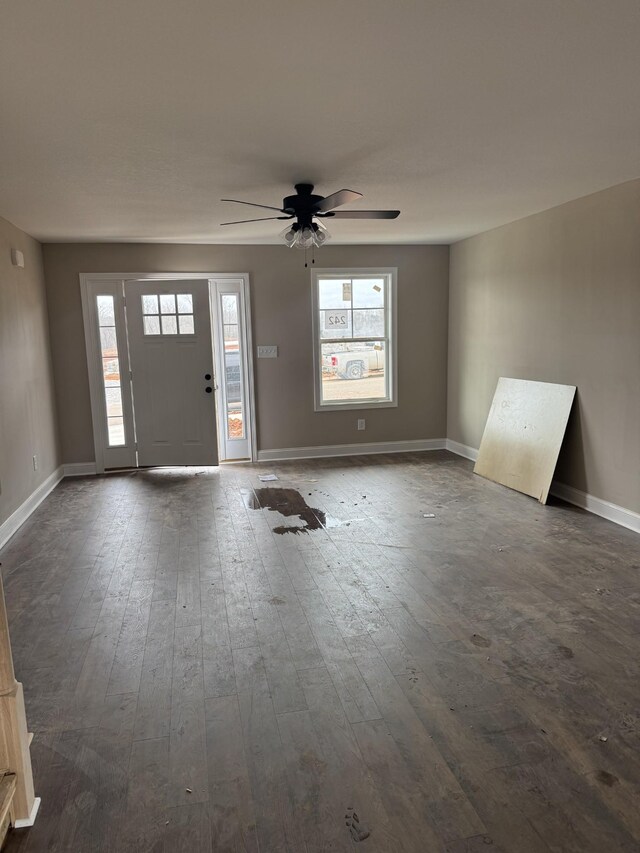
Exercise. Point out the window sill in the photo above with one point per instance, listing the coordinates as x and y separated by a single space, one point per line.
349 406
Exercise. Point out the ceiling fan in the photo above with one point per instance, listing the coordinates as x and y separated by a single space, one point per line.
305 208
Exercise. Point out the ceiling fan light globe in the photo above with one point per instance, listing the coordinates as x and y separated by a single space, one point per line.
306 237
290 234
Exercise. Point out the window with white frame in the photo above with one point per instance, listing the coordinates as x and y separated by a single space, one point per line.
354 338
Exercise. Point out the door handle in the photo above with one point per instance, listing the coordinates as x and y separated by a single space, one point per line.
208 389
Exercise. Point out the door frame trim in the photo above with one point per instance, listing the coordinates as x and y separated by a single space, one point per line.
94 379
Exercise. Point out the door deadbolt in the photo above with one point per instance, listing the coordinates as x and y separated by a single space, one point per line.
207 376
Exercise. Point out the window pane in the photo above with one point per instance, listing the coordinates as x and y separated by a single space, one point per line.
233 389
186 324
169 325
368 322
108 343
116 432
111 371
353 372
232 378
334 293
230 308
368 293
167 303
150 304
230 332
106 314
151 325
185 303
335 324
114 401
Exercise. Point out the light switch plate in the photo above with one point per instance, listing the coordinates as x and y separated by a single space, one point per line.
17 258
268 352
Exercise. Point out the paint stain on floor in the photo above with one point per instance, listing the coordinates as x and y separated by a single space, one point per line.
290 503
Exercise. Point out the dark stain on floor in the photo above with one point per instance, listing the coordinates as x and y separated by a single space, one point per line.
565 652
288 502
607 779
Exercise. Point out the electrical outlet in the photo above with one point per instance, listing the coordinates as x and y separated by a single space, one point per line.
361 423
268 352
35 463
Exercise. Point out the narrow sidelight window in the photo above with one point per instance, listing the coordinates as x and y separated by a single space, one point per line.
110 370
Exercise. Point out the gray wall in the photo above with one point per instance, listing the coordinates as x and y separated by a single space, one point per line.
281 308
27 404
556 297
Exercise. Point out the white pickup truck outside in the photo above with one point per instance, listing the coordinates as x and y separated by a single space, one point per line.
356 363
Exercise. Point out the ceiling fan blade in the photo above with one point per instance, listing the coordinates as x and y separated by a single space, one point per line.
337 199
253 204
364 214
261 219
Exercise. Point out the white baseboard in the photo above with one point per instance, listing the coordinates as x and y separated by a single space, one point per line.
462 449
605 509
21 823
79 469
18 518
362 449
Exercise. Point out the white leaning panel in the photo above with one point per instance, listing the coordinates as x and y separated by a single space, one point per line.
523 435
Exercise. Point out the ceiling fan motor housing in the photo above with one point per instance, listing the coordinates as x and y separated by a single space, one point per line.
303 204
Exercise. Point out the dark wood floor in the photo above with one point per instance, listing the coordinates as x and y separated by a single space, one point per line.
198 682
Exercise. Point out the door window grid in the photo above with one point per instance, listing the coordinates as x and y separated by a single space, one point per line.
233 385
110 370
167 314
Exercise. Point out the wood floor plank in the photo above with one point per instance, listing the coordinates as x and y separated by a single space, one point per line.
219 674
451 815
231 809
354 694
187 740
153 716
413 832
143 824
346 774
277 825
127 663
282 676
315 799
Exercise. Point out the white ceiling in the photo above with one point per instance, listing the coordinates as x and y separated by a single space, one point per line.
130 119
